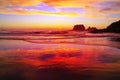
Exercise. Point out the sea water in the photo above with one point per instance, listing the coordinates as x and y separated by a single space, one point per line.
60 57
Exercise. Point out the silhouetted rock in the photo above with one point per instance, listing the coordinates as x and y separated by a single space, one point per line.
114 27
92 29
79 27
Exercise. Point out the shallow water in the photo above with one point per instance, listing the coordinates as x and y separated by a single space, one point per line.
59 58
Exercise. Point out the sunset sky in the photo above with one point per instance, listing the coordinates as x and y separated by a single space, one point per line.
57 14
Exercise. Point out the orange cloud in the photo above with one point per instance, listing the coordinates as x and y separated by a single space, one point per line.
20 2
59 3
89 11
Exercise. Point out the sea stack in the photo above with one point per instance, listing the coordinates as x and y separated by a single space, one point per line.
79 27
92 29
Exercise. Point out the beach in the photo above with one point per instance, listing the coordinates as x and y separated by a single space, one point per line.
89 57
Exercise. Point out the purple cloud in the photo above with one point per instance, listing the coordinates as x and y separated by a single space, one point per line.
44 7
116 15
40 7
77 10
109 5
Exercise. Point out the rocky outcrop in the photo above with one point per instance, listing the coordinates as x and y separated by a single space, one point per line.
114 27
92 29
79 27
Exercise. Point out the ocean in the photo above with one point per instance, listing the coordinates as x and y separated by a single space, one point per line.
64 56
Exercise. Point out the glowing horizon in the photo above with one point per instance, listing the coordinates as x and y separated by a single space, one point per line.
58 14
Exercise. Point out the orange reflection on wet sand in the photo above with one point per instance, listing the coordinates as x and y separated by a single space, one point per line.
96 62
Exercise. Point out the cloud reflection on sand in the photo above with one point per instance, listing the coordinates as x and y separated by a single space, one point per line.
88 54
63 61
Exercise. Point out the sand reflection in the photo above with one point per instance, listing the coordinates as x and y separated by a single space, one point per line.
61 62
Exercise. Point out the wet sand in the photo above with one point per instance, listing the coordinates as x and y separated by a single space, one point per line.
21 60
